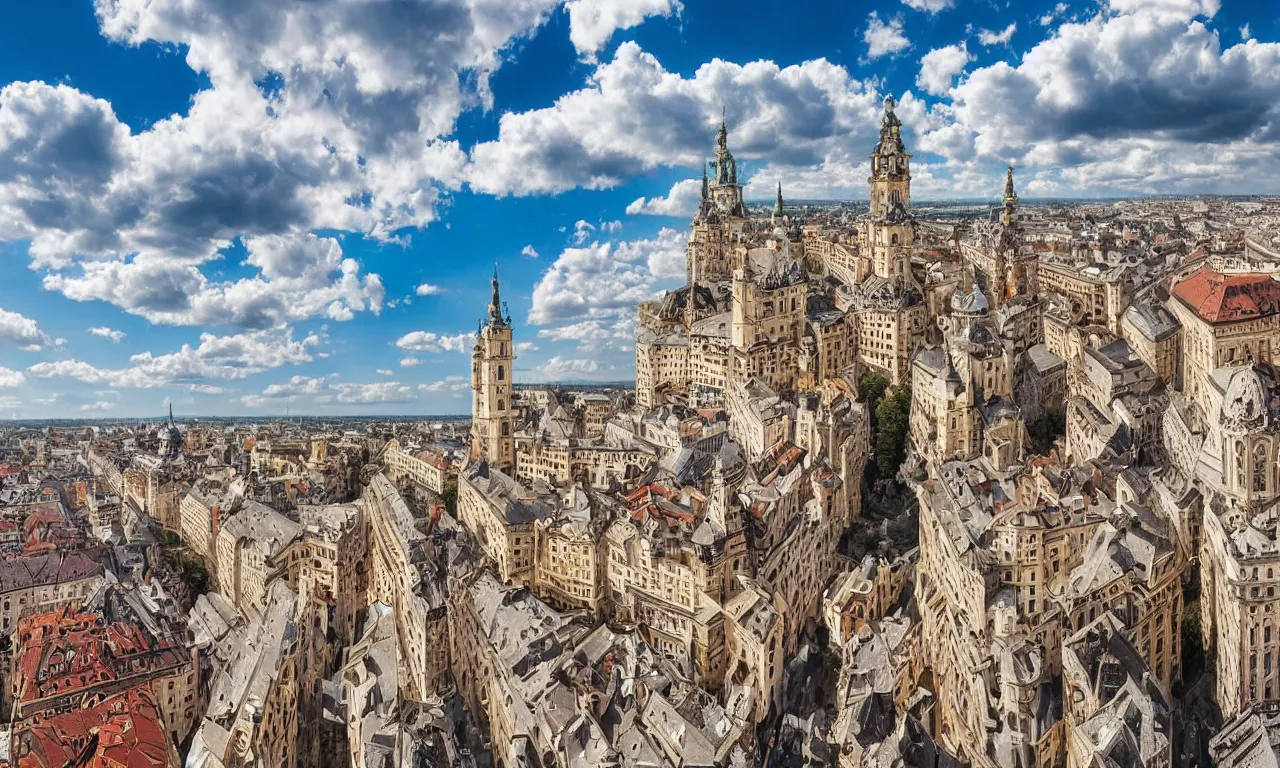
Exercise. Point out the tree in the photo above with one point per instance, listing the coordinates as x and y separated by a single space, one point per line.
893 417
1047 429
871 388
195 575
1192 641
450 497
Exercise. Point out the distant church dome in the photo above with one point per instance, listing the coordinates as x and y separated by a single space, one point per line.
1246 401
170 437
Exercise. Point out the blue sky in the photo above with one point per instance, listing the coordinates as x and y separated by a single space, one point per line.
245 207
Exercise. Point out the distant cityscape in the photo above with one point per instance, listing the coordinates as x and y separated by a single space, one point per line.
894 487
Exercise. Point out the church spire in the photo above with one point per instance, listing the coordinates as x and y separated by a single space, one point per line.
777 203
495 306
706 193
890 117
724 188
1010 214
890 131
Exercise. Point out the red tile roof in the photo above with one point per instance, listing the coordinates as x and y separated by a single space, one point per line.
69 650
654 500
124 731
1219 298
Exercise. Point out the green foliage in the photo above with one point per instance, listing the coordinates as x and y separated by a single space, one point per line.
1192 641
450 496
1045 430
871 388
194 574
893 416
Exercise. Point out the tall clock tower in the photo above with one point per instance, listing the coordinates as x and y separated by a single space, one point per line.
492 412
891 235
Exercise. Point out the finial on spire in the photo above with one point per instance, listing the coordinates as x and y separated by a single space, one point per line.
495 306
706 191
890 119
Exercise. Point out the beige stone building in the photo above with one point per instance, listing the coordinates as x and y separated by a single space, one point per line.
1156 337
246 545
503 517
403 574
42 583
1217 333
422 468
264 706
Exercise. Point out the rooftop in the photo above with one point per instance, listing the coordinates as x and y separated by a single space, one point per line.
1219 298
123 731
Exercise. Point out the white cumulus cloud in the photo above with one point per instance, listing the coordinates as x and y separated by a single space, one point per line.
987 37
108 333
634 116
884 38
593 22
930 6
426 341
324 115
378 392
216 358
559 368
682 200
21 331
607 279
939 68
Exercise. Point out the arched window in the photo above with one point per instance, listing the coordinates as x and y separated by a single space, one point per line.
1260 468
506 429
1239 464
502 405
502 372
